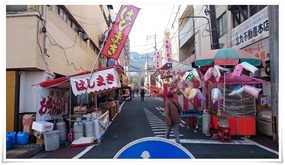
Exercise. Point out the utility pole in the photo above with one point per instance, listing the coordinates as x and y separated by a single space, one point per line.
273 18
147 38
214 28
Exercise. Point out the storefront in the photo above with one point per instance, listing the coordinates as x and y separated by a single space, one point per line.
80 98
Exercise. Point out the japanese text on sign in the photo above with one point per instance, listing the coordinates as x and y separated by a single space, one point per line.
158 60
252 30
100 80
120 31
51 103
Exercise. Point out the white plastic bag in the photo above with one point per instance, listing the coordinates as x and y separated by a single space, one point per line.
216 95
249 67
216 74
208 74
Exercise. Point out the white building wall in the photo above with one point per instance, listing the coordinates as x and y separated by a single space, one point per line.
202 34
27 91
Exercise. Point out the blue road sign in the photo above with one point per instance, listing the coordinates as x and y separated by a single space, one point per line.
153 148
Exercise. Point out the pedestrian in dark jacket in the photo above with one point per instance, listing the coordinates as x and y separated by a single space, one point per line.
142 94
172 119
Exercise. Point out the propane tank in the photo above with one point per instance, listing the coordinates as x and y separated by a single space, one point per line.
70 136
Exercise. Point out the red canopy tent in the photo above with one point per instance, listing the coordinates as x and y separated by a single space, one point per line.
64 82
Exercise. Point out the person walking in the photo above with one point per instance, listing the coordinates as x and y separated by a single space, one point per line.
172 118
142 94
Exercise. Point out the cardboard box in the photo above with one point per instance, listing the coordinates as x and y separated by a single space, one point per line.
82 110
28 119
28 129
40 142
42 126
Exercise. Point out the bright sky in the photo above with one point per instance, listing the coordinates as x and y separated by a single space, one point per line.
152 20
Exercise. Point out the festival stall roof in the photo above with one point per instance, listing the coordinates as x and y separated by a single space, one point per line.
176 65
243 79
64 82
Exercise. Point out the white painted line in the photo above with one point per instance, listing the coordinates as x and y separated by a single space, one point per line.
83 152
261 146
120 108
159 129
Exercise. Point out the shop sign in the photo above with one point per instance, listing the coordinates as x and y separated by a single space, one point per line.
250 31
154 88
153 148
100 80
259 49
165 73
168 52
120 31
158 59
51 103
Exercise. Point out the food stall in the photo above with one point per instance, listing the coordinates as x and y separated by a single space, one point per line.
80 97
240 109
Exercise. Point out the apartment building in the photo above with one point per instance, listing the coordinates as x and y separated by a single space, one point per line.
49 41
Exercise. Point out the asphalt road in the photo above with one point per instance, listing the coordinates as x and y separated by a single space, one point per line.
137 120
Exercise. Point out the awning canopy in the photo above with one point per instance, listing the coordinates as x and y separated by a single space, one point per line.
102 79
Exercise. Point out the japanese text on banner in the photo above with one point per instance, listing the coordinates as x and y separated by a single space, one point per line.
120 31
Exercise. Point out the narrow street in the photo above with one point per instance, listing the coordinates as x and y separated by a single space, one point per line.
146 119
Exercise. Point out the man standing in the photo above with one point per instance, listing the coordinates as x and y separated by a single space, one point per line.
172 119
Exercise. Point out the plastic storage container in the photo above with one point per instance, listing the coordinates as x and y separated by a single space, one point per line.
22 138
61 127
51 140
9 143
13 137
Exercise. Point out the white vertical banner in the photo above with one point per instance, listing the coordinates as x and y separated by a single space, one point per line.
158 59
168 51
51 103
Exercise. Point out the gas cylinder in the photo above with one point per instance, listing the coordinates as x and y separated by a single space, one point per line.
70 136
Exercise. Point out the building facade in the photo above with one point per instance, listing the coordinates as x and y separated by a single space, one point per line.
48 41
243 27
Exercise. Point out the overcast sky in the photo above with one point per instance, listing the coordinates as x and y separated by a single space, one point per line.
152 20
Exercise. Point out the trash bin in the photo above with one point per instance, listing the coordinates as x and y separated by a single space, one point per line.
51 140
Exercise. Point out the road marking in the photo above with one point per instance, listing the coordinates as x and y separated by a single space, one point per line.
261 146
83 152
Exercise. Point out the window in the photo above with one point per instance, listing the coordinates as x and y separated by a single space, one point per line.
222 25
255 9
16 8
240 15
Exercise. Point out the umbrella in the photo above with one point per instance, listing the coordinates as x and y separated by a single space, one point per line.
226 56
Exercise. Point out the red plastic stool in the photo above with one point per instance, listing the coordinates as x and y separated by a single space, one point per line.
224 133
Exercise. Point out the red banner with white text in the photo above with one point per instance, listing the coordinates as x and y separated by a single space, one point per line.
120 31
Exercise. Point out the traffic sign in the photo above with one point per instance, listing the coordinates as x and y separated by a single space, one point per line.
153 148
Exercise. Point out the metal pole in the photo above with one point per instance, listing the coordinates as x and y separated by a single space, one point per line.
273 17
214 28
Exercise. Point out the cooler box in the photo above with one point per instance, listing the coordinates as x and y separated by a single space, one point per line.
42 126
